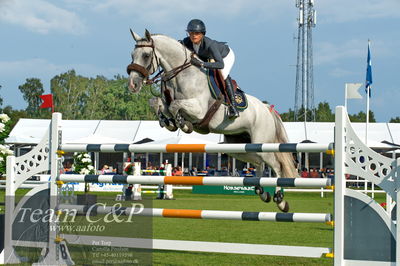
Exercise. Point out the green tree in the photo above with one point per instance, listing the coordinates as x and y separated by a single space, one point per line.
1 98
288 116
362 117
14 115
324 113
395 120
31 90
79 97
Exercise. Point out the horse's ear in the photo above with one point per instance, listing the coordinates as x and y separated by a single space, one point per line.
135 36
147 34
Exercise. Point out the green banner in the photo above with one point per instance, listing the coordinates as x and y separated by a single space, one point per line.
230 190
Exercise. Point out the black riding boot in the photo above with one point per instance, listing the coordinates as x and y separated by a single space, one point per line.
232 111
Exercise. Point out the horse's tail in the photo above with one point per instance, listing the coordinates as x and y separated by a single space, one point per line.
285 158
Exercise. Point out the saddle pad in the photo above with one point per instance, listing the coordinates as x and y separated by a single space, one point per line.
240 96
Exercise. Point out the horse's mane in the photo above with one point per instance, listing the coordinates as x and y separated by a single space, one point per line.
172 39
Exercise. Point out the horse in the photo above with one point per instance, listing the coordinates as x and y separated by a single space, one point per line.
190 99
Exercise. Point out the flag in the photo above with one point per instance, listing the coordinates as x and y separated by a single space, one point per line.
368 78
47 101
352 91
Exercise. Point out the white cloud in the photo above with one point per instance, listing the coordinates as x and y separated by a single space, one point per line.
161 11
353 10
40 16
42 68
340 72
355 49
169 11
331 53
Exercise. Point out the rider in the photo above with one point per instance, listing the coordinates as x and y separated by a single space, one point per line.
206 49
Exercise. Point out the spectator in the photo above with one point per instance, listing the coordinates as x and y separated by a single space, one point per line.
304 173
314 173
193 171
323 173
177 171
67 167
330 173
105 170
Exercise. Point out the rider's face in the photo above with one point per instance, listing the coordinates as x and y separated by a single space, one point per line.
196 37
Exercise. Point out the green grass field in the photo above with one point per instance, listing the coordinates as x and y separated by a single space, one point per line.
292 234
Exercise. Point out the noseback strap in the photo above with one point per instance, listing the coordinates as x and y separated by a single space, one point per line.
138 68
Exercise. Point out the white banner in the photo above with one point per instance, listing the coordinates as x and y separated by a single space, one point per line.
352 91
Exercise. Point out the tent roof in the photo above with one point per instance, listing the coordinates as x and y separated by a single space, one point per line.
31 131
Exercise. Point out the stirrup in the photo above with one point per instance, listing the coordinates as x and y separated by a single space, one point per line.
232 112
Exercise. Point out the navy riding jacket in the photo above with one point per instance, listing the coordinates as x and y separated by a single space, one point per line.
209 49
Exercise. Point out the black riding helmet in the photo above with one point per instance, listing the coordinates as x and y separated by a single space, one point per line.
196 25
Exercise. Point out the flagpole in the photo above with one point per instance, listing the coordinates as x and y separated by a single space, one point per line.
368 82
367 120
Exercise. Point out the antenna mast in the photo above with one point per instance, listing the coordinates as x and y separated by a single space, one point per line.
304 108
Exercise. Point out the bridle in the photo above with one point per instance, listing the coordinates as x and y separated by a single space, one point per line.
161 75
145 72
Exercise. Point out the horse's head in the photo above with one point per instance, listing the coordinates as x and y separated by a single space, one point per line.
144 61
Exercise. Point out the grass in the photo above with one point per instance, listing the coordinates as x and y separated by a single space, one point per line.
253 232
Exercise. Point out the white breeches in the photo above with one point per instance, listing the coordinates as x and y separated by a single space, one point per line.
229 60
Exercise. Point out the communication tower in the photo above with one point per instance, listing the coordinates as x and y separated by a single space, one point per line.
304 109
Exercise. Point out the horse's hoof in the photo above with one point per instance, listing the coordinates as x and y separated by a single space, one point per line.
172 128
258 190
171 125
162 123
278 197
265 196
187 127
283 206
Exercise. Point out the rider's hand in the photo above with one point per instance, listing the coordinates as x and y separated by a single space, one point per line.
196 62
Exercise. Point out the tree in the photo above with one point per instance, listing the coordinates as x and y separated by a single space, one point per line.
324 113
362 117
14 115
288 117
79 97
1 98
31 90
395 120
69 94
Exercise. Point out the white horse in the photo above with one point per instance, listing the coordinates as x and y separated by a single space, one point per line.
190 99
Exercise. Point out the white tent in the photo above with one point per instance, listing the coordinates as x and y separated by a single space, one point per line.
96 139
182 139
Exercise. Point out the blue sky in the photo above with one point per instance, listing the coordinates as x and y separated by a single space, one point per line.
42 38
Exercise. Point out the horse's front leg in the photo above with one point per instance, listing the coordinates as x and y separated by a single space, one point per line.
164 116
186 112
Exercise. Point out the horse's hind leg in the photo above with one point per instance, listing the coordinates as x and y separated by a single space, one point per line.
273 162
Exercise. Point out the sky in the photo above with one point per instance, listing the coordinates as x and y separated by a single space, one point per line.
43 38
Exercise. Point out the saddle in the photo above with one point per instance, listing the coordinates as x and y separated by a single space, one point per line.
216 84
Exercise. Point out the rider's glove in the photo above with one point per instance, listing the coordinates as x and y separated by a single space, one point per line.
196 62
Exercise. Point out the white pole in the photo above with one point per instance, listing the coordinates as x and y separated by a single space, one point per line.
340 184
233 165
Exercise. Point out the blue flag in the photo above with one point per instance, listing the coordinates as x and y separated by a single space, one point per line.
368 78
